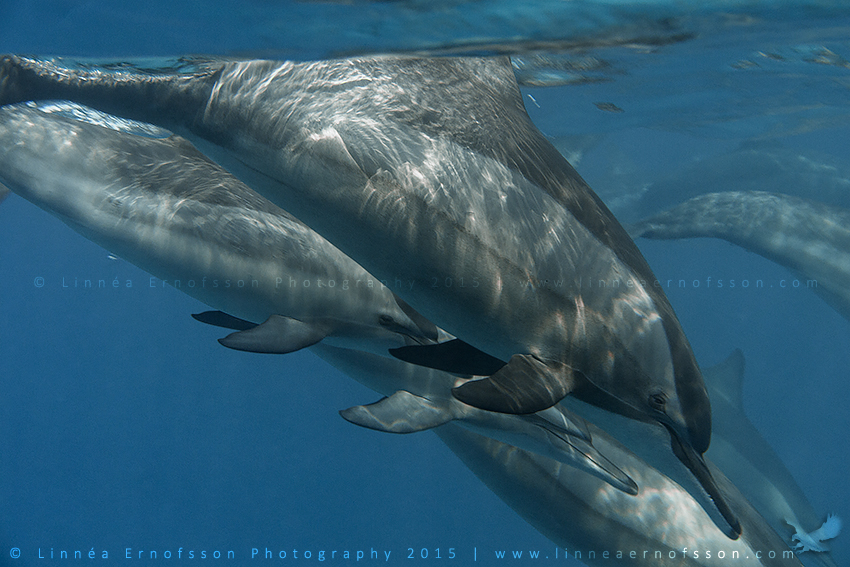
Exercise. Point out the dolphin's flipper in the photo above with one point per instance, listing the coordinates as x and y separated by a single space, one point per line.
402 412
454 357
525 385
222 319
556 422
278 335
582 453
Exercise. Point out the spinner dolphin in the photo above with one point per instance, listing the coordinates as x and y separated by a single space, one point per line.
149 196
811 238
430 171
154 200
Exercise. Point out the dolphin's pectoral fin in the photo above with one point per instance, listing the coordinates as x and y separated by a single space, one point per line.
402 412
574 446
278 335
222 319
329 158
525 385
606 470
556 422
454 356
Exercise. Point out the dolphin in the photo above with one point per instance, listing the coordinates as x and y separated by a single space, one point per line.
151 197
663 524
810 238
430 170
746 458
572 507
753 166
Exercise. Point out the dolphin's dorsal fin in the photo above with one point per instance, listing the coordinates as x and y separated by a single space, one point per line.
278 335
222 319
727 379
402 412
454 356
525 385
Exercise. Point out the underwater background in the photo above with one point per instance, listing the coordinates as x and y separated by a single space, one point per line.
124 424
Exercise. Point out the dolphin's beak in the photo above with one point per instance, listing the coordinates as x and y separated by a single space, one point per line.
695 463
690 436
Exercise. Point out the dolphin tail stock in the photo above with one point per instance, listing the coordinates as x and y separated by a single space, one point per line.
4 192
277 335
644 228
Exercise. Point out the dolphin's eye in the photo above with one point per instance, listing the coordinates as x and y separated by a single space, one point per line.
386 320
658 401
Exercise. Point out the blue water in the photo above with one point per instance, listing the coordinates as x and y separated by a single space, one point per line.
123 423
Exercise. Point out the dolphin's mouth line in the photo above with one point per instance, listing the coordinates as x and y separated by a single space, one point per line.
696 464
